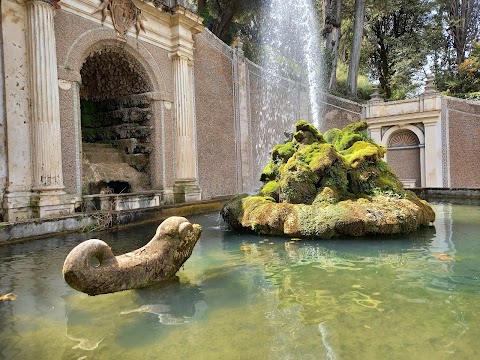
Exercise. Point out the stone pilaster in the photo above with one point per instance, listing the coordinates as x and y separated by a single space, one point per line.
433 153
48 197
186 187
242 120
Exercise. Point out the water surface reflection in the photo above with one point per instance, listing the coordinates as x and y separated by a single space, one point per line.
246 296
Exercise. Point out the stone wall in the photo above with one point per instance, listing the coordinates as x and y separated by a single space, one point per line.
406 164
215 120
338 112
463 118
274 107
241 113
3 149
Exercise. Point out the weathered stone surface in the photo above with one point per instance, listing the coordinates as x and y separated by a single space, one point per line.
328 186
153 264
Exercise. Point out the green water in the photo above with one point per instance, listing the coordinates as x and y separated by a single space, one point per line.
382 298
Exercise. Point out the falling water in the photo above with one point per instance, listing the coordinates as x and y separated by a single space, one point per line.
291 48
291 75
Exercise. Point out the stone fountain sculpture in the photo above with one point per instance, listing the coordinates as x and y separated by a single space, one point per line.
155 263
330 185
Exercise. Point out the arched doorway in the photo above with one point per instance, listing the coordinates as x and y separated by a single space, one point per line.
404 157
116 117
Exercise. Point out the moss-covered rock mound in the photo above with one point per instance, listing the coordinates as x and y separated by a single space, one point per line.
327 185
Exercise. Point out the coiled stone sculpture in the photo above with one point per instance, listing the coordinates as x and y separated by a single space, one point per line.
154 263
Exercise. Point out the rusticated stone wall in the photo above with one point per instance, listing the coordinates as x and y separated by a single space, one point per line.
338 112
405 163
215 120
463 119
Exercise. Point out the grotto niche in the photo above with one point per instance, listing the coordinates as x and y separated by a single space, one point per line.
116 120
328 185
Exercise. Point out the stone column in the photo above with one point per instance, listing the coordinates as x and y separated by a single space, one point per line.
243 119
186 187
3 147
433 154
47 186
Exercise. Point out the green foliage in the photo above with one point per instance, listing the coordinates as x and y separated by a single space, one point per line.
464 81
226 17
364 87
398 47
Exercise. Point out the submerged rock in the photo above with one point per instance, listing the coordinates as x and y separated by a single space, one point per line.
328 185
155 263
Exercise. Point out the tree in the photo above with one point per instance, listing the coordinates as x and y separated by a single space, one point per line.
463 20
332 20
397 32
356 48
221 15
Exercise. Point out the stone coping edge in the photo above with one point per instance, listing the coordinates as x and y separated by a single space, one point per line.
21 231
447 193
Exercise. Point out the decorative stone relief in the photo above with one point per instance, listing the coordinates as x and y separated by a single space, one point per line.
124 14
403 138
385 129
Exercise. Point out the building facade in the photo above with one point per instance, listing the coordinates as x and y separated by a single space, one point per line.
126 104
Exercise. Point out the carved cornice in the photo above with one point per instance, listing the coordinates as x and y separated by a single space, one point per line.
54 3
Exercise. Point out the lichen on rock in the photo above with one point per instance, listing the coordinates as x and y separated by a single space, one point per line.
329 185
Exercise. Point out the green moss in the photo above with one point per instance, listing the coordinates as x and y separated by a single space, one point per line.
298 187
335 176
284 152
306 133
362 151
329 195
331 134
270 189
356 127
270 172
324 189
369 178
345 138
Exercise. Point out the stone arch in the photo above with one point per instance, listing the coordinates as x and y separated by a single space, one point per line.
406 153
98 38
403 138
117 114
394 129
110 72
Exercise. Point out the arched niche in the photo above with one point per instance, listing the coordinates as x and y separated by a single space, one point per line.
405 153
116 121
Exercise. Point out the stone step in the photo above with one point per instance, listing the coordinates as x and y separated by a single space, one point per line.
95 145
102 153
